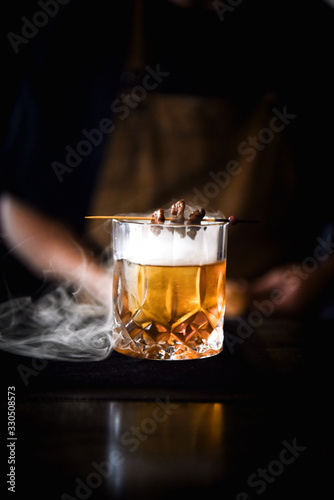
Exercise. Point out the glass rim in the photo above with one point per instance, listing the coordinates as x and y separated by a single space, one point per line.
168 224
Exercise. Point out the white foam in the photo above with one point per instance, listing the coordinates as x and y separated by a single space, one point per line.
142 245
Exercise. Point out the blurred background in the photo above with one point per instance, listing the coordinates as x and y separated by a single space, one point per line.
129 106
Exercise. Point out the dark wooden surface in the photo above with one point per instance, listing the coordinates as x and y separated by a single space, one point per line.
168 429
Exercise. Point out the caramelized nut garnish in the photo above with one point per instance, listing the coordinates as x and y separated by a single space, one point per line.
196 216
158 217
178 211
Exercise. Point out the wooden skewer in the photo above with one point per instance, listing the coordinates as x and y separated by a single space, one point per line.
118 217
231 220
129 217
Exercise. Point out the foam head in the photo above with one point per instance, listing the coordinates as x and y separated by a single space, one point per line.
168 244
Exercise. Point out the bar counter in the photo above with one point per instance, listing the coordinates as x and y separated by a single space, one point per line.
253 422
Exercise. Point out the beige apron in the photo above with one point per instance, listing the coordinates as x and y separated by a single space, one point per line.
201 149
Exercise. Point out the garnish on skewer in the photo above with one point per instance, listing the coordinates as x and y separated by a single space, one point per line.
195 218
144 218
177 211
158 217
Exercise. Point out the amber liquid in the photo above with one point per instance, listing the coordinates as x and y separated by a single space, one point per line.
170 312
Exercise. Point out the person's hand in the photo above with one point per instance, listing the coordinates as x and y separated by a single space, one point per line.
289 290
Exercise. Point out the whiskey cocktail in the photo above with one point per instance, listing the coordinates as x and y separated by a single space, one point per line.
169 288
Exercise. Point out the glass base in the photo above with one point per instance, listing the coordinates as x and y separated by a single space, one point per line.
171 349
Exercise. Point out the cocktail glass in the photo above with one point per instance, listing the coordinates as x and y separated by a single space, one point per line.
169 289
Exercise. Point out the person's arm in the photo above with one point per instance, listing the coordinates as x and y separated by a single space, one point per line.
48 249
291 290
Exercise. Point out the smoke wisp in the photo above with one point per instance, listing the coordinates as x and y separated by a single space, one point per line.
58 325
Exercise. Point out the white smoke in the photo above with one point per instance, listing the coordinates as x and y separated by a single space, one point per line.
56 326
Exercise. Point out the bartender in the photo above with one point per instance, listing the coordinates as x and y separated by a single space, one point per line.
59 101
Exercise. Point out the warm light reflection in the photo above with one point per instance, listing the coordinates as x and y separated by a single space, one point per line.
237 299
162 439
